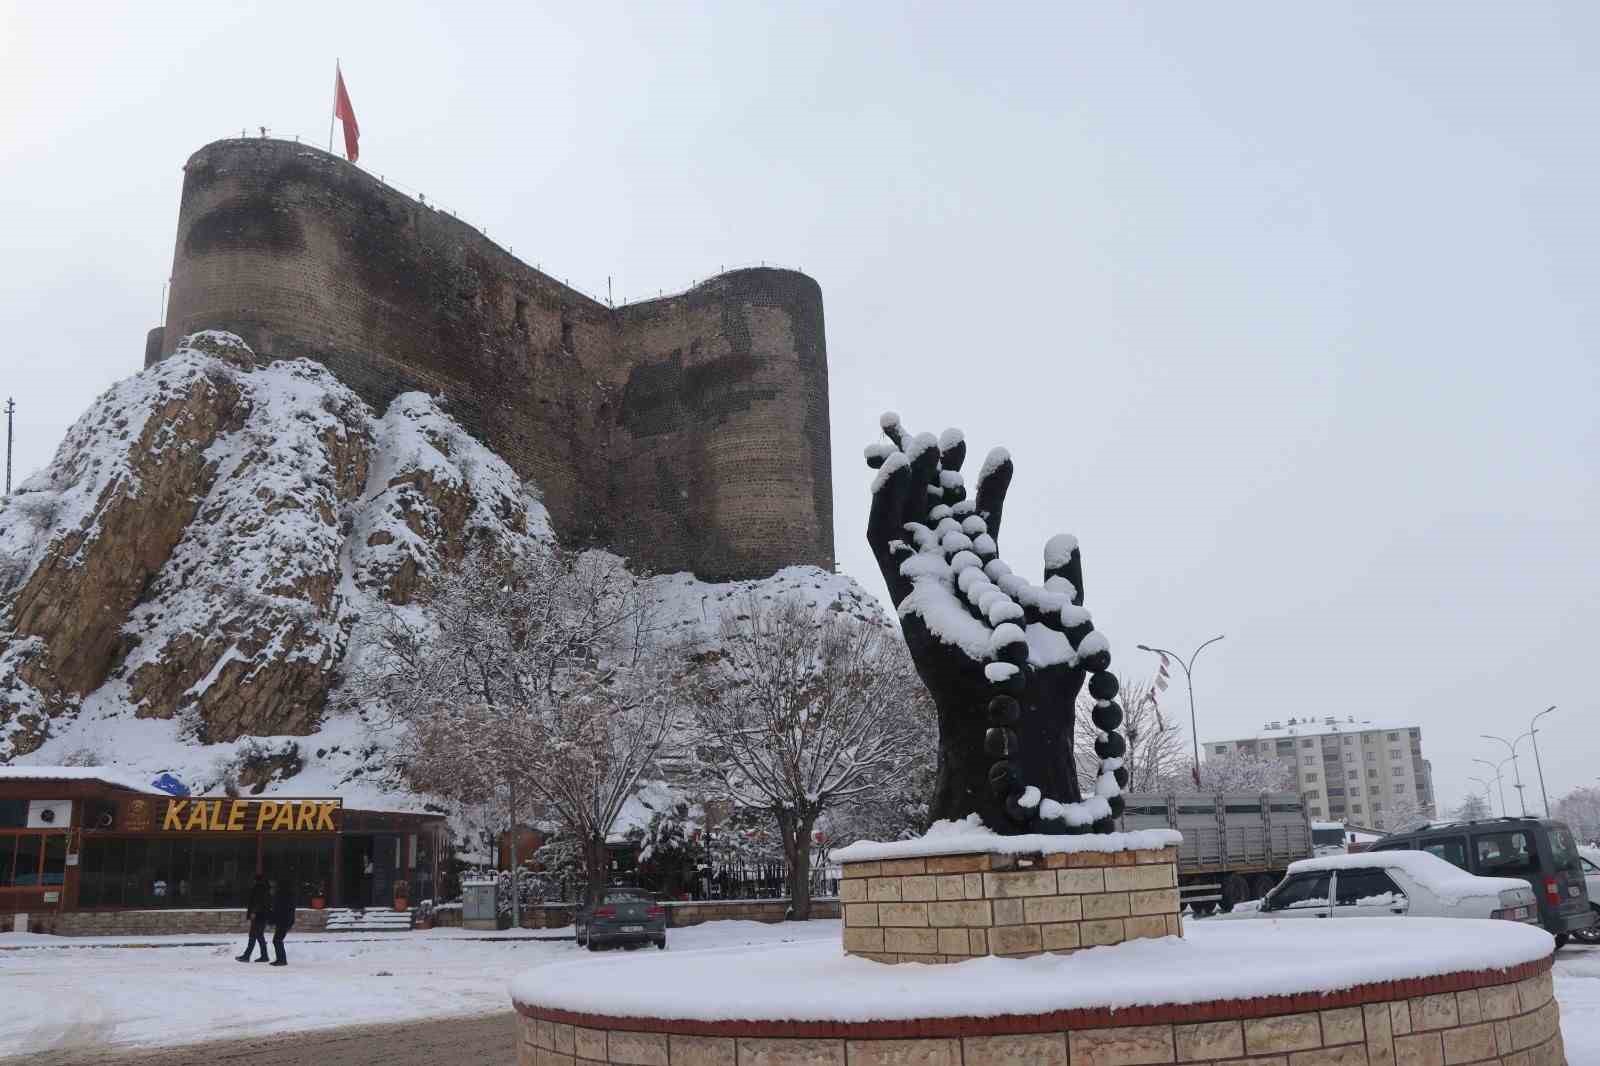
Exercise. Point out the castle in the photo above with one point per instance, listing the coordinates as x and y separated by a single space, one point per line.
688 433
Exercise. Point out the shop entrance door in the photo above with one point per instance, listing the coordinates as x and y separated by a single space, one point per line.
368 872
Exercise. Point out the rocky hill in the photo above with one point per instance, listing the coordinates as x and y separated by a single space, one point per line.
179 587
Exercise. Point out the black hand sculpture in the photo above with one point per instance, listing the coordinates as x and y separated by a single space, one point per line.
1003 658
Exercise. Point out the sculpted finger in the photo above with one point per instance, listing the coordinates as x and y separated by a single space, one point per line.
923 452
1062 559
885 525
892 428
993 481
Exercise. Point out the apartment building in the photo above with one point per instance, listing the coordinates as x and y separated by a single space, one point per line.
1347 770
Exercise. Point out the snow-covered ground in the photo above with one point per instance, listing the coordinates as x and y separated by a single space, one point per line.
103 996
92 994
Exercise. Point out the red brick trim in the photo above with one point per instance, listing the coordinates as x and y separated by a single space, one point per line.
1056 1021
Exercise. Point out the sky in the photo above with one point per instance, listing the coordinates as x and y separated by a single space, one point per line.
1286 312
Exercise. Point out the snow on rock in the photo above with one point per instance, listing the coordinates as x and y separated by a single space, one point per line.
970 836
813 981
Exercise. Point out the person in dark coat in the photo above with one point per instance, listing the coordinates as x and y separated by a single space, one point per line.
282 918
258 910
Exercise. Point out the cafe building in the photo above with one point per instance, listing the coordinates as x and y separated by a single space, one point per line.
93 850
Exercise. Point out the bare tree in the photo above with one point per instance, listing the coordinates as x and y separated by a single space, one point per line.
528 681
1397 814
1472 808
1155 746
1580 809
795 712
1232 771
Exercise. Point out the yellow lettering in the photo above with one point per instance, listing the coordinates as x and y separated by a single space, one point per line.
266 810
284 823
216 816
173 821
305 817
197 817
325 816
236 816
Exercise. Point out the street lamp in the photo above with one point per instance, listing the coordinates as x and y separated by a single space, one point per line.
1498 780
1516 767
1488 797
1533 731
1188 680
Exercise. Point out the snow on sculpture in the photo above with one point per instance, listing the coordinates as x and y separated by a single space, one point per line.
1004 658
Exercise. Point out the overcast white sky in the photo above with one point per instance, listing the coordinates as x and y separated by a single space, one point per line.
1288 313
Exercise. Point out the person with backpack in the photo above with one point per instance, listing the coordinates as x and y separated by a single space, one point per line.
283 906
258 911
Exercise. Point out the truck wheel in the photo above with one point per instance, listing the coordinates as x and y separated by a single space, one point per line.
1265 883
1203 910
1235 889
592 944
1590 935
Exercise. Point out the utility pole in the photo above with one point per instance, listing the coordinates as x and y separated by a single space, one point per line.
1188 679
11 407
1498 780
1533 731
1516 767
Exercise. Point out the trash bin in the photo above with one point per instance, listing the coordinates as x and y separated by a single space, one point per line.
479 907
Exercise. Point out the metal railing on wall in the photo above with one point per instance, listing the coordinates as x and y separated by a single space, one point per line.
315 143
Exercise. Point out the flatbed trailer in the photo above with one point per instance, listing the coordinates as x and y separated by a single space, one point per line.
1236 846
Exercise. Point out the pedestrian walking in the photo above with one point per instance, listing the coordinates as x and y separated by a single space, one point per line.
258 911
282 917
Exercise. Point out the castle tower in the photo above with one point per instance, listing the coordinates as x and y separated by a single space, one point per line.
689 432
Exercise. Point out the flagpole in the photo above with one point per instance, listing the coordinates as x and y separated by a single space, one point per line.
335 103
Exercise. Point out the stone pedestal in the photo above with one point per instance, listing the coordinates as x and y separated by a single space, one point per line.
944 908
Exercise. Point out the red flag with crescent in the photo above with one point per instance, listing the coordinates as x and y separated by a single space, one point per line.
346 115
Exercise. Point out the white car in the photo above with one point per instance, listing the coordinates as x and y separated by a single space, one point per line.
1590 858
1382 884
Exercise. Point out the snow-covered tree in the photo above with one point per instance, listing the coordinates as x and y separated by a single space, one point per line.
1155 744
794 713
1232 771
526 682
1397 814
670 855
1472 808
1580 809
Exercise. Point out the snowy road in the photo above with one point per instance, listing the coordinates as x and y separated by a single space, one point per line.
405 1001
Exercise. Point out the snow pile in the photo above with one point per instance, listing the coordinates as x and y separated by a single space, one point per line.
1238 960
971 836
1445 880
79 773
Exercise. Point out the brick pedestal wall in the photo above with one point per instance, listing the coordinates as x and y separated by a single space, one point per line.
162 923
951 907
1506 1017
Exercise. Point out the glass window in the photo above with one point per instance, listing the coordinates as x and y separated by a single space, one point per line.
1222 749
55 860
1506 854
1353 774
1373 790
1355 808
1399 790
30 849
1397 772
1394 736
1394 753
1452 850
1314 794
1366 888
1348 741
1316 812
1311 775
8 854
307 862
1302 890
13 814
1563 852
1305 743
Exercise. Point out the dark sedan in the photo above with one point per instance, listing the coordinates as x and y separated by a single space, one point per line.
627 916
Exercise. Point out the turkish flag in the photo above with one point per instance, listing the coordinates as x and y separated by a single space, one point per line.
347 115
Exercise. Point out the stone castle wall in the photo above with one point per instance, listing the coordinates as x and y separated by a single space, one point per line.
689 433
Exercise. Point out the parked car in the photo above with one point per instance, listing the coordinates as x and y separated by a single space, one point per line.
1235 847
627 916
1385 884
1590 858
1540 851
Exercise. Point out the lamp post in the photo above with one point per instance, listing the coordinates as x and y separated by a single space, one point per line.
1516 767
1533 731
1488 798
1188 680
1498 780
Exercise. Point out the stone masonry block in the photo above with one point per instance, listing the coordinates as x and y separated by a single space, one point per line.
1077 882
1343 1026
1498 1001
1533 1029
958 864
1108 931
911 941
1209 1040
1535 992
863 869
1419 1049
1339 1055
1087 860
1469 1043
903 867
903 1053
591 1043
541 1034
702 1050
1146 927
790 1052
1061 937
1380 1035
561 1039
1020 883
972 885
637 1049
884 889
1144 856
972 912
1174 924
1015 940
1434 1012
1044 1049
918 887
1052 909
951 886
1469 1007
954 942
1287 1032
903 914
1153 901
1139 878
853 890
1400 1017
1008 911
978 941
862 915
1133 1045
1105 905
863 939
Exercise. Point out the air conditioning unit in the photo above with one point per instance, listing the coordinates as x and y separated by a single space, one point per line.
49 814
